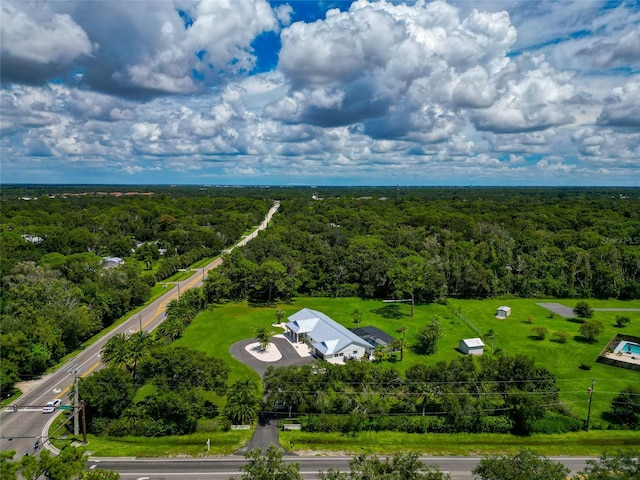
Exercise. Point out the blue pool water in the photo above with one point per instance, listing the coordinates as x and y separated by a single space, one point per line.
629 347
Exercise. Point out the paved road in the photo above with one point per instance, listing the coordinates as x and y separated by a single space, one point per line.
19 430
224 468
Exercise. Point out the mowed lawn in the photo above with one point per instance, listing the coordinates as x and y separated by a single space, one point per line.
214 330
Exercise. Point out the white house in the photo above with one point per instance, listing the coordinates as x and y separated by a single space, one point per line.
329 340
112 262
471 346
503 312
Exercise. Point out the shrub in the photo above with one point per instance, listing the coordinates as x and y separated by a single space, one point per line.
583 310
622 321
561 337
541 332
591 329
556 423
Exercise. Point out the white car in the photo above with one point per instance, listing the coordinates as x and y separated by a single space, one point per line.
52 405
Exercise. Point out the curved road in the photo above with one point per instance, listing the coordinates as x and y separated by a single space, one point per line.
19 430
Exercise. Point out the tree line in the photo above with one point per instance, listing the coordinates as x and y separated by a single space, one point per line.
56 292
427 244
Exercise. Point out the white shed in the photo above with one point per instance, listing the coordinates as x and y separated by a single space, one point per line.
471 346
503 312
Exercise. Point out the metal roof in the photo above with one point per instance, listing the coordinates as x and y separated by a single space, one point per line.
325 334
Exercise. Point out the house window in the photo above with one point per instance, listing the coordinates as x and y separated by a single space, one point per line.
355 352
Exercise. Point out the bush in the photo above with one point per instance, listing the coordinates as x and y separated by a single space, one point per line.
622 321
583 310
556 423
541 332
561 337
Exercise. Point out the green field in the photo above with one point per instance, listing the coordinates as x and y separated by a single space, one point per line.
217 328
214 330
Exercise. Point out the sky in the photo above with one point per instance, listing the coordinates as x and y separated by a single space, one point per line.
301 92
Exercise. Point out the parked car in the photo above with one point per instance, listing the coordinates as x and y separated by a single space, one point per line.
52 405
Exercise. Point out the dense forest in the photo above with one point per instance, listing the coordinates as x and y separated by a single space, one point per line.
424 243
57 289
437 243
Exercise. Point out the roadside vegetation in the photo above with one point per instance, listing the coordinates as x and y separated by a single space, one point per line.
451 256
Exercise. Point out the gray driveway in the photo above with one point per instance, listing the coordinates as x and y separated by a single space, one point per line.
289 355
567 312
266 432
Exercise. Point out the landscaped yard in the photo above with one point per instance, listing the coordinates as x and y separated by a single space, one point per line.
215 330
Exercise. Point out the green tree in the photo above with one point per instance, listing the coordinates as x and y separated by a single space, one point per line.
583 310
263 334
106 393
622 465
242 402
622 321
401 343
625 407
540 331
398 467
280 314
525 465
408 276
180 368
380 353
271 276
69 465
591 329
269 466
357 316
427 337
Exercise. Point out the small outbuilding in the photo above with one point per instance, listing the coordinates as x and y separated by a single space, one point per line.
503 312
471 346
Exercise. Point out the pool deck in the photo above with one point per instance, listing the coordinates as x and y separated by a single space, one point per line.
622 356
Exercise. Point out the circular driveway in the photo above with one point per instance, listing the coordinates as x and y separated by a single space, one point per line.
289 355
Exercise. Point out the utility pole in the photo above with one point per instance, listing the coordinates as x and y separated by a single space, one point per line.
590 392
76 423
140 319
84 424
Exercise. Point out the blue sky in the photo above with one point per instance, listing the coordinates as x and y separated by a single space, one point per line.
253 92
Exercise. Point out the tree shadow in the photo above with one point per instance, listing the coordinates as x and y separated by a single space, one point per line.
581 339
535 337
579 321
389 311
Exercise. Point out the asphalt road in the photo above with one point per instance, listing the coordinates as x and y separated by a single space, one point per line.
223 468
19 430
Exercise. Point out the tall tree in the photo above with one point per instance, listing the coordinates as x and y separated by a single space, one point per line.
407 276
398 467
427 337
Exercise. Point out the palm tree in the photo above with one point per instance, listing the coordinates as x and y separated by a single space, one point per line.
280 315
139 346
116 351
401 343
263 334
242 402
357 316
171 329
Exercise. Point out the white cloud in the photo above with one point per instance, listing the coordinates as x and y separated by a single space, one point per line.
622 107
41 37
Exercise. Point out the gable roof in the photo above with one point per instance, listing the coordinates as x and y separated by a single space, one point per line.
473 342
326 335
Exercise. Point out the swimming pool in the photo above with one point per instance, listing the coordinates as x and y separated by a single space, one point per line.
628 347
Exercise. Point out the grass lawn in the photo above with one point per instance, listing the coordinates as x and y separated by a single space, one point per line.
591 443
216 329
213 331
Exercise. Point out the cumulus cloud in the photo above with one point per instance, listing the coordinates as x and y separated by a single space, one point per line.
622 107
416 72
133 47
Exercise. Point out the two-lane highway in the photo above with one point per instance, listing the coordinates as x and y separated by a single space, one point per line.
19 430
223 468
